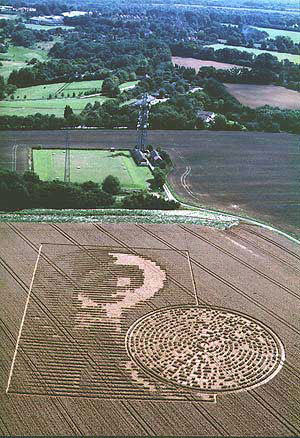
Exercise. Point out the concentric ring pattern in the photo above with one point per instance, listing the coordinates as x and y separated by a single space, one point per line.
204 348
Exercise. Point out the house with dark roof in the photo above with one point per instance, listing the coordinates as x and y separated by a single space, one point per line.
205 116
139 157
155 158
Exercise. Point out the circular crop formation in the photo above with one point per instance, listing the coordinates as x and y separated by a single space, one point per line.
206 349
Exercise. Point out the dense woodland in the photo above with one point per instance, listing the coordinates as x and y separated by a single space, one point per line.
120 41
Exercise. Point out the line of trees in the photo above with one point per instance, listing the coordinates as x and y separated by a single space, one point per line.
18 192
28 191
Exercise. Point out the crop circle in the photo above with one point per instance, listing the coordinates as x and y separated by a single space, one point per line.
206 349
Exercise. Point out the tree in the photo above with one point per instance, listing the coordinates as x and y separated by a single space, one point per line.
146 201
110 88
159 179
111 185
219 122
31 177
68 112
89 186
132 76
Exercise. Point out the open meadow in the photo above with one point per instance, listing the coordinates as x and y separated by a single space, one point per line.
91 165
278 55
53 98
46 27
273 33
237 8
77 345
250 173
17 56
8 16
51 106
255 96
198 63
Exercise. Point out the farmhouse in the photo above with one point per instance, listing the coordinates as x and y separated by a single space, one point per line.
155 158
205 116
139 157
139 102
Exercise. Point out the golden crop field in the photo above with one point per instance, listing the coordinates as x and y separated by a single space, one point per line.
148 330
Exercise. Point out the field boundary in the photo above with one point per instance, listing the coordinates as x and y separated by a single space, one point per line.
23 320
248 221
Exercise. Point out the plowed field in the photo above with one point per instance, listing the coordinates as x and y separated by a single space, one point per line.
255 96
83 309
198 63
248 173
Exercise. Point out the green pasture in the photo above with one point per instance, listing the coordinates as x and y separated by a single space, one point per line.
46 27
37 98
23 54
51 106
63 89
8 66
273 33
16 58
279 56
43 91
8 16
91 165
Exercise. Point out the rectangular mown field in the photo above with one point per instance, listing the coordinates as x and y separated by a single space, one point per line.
91 165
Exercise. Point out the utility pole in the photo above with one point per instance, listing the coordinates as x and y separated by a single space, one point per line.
67 158
14 157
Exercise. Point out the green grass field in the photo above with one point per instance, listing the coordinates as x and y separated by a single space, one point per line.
43 91
43 105
279 56
16 57
91 165
273 33
46 27
8 16
52 106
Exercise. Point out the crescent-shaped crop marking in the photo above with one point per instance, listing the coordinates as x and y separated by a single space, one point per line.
154 278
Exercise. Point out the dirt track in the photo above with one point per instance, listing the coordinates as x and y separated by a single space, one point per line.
246 269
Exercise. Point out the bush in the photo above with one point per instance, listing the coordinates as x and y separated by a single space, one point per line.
159 179
145 201
111 185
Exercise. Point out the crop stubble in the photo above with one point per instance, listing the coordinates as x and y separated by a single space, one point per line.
268 410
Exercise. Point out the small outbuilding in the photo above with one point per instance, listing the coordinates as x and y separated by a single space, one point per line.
205 116
139 157
155 158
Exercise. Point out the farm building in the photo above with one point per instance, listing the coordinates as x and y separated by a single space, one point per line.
155 158
138 102
139 157
205 116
